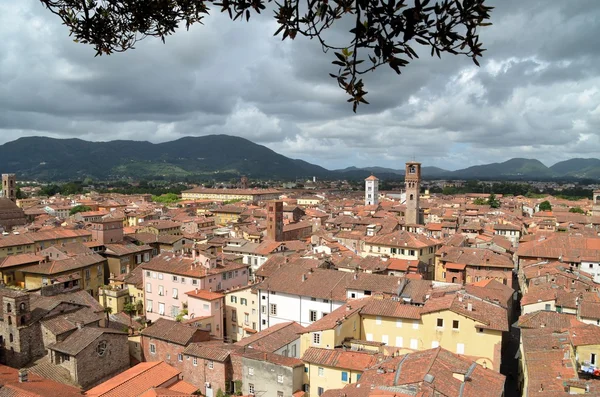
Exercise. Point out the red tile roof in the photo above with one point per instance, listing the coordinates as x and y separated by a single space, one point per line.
136 380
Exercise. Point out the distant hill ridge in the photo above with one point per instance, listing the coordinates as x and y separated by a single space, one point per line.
223 157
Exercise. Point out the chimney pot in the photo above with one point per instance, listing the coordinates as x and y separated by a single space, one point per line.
23 375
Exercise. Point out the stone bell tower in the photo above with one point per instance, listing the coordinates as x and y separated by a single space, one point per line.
9 186
413 188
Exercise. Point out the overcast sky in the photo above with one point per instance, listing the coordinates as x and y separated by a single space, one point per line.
536 94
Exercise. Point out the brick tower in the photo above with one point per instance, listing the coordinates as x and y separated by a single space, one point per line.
413 188
275 220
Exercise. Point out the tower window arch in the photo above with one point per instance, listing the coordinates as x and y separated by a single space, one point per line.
22 306
412 197
8 307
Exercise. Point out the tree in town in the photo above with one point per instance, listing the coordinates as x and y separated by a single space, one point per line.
480 201
130 309
576 210
545 206
493 201
108 311
382 32
79 208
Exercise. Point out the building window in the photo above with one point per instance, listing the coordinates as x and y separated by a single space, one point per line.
182 280
547 306
174 278
251 388
399 323
180 357
273 309
246 318
194 282
149 306
211 364
316 338
175 293
321 371
250 371
244 301
195 361
593 358
88 274
233 299
152 348
440 323
378 320
312 315
460 348
234 315
279 378
320 391
479 330
148 287
415 324
161 290
279 394
160 276
344 376
455 324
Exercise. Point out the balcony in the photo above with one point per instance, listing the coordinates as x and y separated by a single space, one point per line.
113 292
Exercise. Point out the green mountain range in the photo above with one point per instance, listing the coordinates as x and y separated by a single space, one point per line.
223 157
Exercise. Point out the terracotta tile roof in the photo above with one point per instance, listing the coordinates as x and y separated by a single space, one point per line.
273 338
546 319
163 391
337 316
339 358
80 339
557 245
585 334
544 355
204 295
402 239
183 387
588 309
20 259
65 265
475 257
171 331
136 380
422 373
486 314
36 386
391 308
122 249
491 290
208 351
65 322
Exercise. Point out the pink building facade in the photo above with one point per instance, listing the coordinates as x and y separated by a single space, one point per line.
169 277
205 311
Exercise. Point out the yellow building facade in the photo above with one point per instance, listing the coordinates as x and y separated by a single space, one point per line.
241 313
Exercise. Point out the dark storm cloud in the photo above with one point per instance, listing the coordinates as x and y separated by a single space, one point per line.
535 94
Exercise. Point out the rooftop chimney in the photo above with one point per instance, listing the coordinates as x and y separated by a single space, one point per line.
22 375
470 306
304 277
